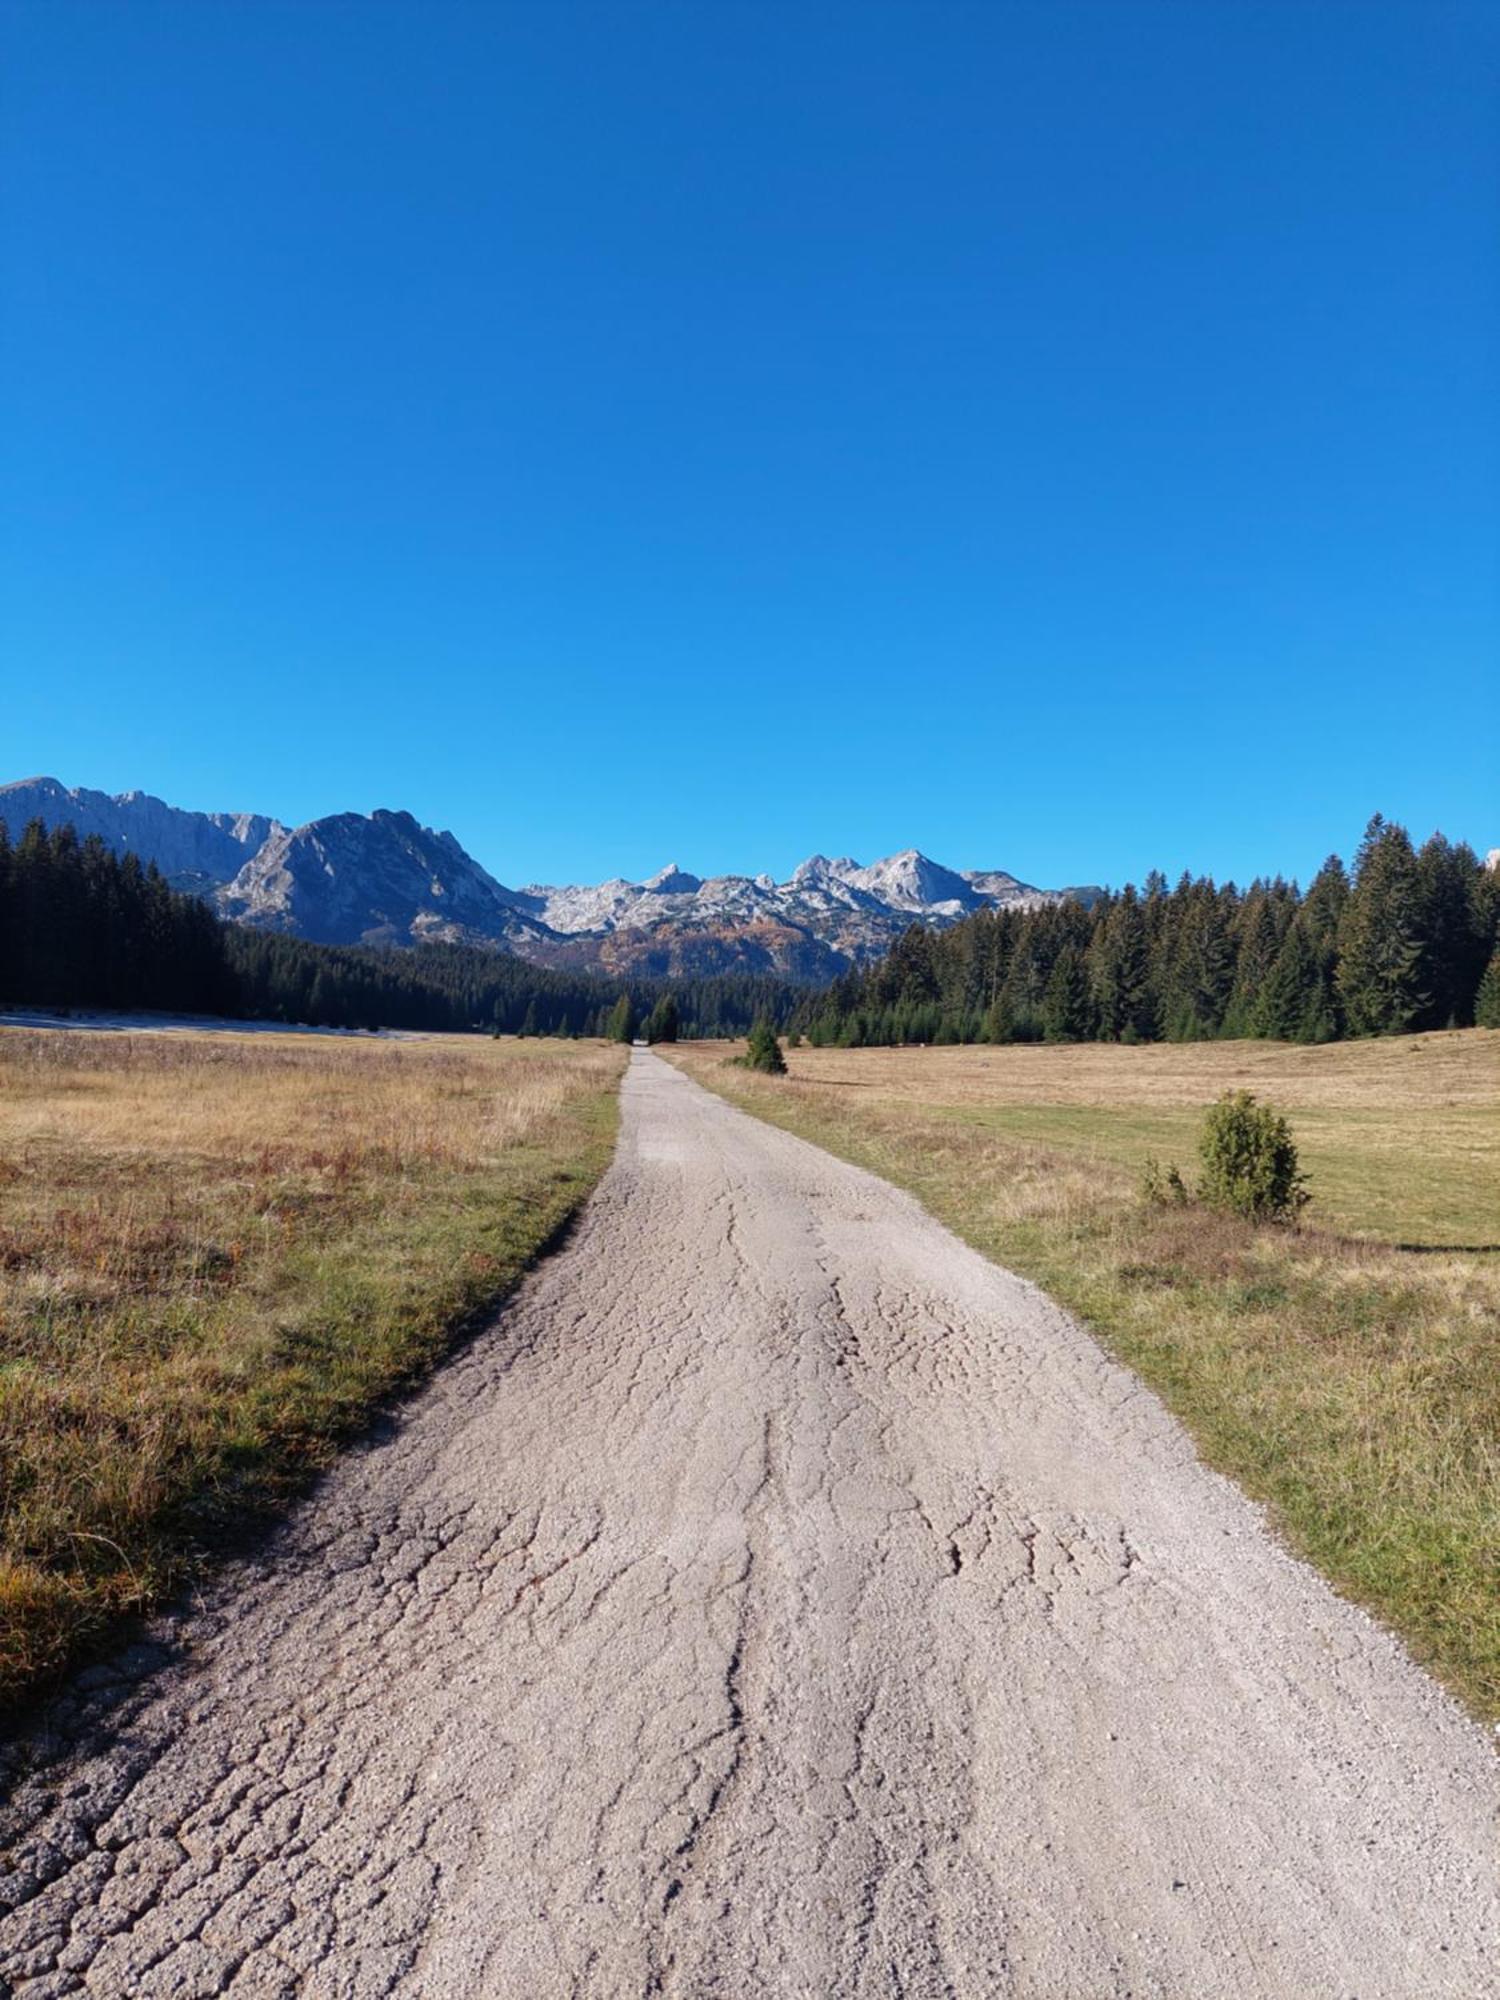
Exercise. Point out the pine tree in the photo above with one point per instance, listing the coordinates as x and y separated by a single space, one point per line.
1326 900
763 1051
1453 950
1484 916
909 971
1202 971
1487 1000
1296 1002
1065 1005
38 967
998 1024
1380 939
7 930
622 1020
1258 934
662 1021
1116 962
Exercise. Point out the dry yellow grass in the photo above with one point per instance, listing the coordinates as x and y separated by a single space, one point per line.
218 1253
1415 1073
1401 1137
1352 1385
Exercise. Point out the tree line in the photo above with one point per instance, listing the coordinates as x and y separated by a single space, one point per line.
1407 940
82 927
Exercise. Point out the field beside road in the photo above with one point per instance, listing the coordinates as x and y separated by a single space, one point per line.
1351 1383
218 1254
776 1598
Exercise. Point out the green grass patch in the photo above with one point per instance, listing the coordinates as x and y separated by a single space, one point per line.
1371 1173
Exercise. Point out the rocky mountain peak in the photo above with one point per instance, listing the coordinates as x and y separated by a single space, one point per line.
194 850
672 881
818 868
912 881
384 878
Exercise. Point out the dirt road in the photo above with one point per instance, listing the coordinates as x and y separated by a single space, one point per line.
779 1601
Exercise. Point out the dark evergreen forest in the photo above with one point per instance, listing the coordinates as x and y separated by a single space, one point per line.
1407 940
81 928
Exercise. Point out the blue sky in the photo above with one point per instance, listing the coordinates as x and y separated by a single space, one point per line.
1062 437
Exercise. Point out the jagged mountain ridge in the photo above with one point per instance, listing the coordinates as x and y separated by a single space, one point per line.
193 850
382 878
349 879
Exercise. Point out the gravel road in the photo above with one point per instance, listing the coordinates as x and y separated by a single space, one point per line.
779 1600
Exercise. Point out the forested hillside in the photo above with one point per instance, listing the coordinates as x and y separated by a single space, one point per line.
83 927
1407 940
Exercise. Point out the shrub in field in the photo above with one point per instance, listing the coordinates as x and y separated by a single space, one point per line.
1163 1187
1250 1161
763 1051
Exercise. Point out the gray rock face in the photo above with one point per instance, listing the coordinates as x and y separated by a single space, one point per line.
381 880
192 849
855 912
384 879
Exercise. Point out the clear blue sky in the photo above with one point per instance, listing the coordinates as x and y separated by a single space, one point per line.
1062 437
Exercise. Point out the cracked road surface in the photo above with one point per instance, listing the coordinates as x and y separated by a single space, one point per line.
778 1600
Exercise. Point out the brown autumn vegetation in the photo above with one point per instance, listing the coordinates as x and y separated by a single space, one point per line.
218 1254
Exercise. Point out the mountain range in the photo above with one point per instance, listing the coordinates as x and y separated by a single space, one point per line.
381 878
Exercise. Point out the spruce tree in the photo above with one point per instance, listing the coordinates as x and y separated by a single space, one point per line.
1202 971
1120 964
998 1024
1487 1000
1380 938
1326 900
1484 916
1453 951
662 1021
1257 934
763 1051
1296 1002
1065 1005
7 944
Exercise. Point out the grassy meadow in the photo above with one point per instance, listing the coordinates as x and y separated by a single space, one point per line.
218 1254
1346 1372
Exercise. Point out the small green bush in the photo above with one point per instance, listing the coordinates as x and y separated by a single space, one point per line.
763 1051
1163 1187
1249 1160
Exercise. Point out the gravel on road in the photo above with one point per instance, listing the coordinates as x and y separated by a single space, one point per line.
778 1600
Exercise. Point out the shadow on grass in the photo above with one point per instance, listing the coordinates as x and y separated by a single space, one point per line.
1448 1249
